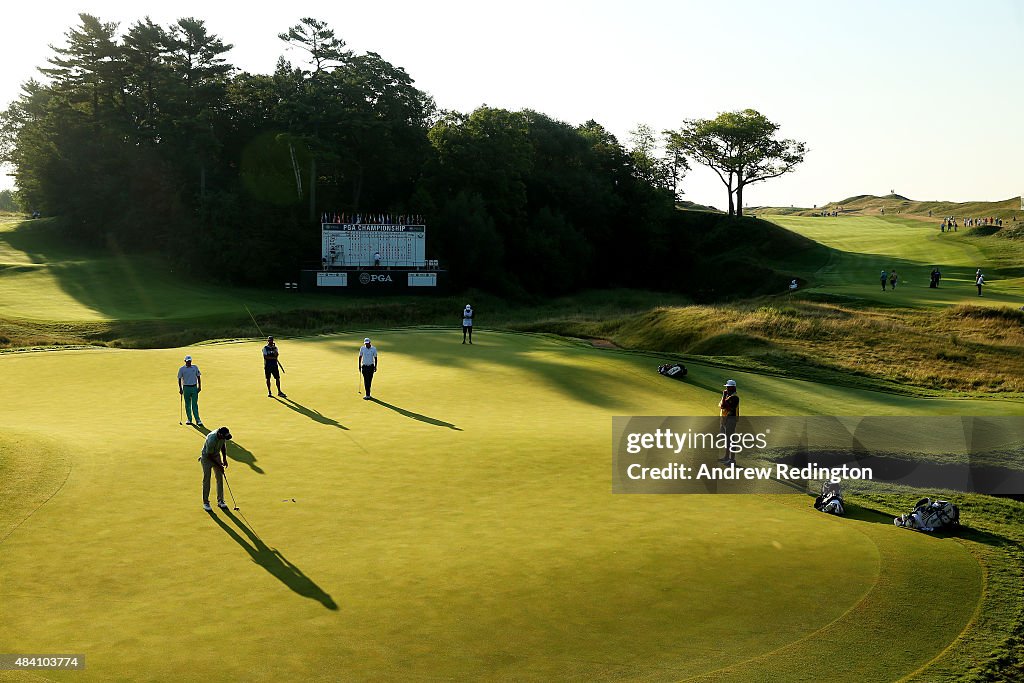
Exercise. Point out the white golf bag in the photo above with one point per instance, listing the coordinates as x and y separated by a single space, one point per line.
929 515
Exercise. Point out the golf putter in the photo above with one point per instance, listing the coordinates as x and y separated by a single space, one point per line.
233 501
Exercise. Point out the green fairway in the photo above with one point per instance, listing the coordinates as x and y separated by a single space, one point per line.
864 246
44 278
460 527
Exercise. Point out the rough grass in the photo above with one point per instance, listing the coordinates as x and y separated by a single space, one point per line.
963 349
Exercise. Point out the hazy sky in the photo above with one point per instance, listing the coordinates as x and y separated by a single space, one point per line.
924 97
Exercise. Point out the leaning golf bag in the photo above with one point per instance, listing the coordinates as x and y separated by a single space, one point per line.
673 370
929 515
830 500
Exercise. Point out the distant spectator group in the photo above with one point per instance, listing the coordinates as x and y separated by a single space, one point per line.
949 223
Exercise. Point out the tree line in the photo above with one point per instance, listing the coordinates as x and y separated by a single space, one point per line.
152 140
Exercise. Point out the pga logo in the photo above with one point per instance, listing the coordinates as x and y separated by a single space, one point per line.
366 278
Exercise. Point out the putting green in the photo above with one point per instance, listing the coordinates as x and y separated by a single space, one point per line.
460 527
863 246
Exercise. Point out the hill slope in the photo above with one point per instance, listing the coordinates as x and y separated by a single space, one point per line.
867 204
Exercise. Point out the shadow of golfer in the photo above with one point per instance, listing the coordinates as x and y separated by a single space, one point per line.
274 562
416 416
238 453
314 415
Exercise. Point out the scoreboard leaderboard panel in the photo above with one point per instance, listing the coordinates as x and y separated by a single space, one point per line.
348 245
332 279
422 280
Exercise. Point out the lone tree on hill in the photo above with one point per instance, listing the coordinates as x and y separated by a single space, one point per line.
740 147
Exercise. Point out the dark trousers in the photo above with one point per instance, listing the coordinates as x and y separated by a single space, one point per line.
727 426
368 371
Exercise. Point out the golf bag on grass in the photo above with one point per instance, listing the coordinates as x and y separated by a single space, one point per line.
929 515
673 370
830 500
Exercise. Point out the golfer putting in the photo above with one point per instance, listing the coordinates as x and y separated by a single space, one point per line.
367 365
214 458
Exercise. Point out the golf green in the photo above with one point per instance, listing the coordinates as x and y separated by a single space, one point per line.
461 526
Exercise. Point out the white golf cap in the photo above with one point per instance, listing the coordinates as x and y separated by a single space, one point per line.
366 341
188 357
730 383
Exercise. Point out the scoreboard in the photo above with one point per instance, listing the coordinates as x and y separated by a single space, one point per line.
353 245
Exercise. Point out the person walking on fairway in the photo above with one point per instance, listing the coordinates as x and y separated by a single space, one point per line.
467 323
893 279
190 383
884 279
214 458
367 365
270 367
979 280
729 409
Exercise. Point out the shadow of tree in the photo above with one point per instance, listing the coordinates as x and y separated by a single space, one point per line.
599 386
276 564
416 416
237 452
314 415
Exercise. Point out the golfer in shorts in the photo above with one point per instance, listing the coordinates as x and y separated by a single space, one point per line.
367 365
729 408
214 458
190 383
467 323
271 366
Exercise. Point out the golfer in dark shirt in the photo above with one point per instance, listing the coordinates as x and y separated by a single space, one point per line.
730 412
271 366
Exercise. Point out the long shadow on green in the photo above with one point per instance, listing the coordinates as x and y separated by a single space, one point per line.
274 562
314 415
416 416
237 452
588 384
